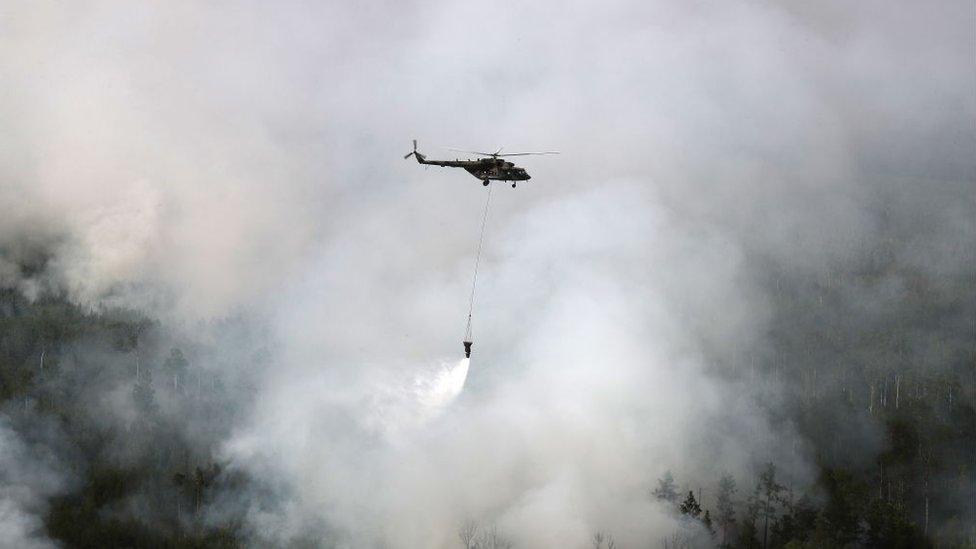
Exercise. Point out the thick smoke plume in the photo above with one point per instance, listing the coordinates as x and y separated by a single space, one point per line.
30 474
235 172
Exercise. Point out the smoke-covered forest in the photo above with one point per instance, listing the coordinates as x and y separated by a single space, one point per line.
882 395
738 310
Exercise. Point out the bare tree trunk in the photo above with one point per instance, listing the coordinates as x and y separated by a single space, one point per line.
884 393
897 389
925 530
467 533
765 523
815 393
881 482
925 486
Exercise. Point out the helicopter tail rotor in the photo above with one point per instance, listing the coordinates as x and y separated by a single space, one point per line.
420 158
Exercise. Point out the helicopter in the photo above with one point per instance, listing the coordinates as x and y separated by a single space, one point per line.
490 166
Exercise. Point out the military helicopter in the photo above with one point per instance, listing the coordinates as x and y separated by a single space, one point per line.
491 166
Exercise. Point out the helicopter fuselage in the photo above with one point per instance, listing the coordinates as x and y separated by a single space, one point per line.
484 169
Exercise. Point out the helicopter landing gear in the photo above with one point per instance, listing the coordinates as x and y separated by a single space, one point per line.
485 182
513 185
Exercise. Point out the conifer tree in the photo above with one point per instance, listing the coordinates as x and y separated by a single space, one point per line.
769 491
690 506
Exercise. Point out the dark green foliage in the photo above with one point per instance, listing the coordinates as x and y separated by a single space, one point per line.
748 533
770 499
690 507
887 525
796 524
840 519
142 483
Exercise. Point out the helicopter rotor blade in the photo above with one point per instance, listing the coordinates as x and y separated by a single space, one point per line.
471 152
498 153
529 153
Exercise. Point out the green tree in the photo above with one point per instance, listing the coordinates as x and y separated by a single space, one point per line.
795 524
749 533
888 526
770 498
839 521
690 507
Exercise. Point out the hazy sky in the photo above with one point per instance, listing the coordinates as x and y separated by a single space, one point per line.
200 161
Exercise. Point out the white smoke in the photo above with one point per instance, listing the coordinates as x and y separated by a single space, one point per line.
148 186
586 387
29 474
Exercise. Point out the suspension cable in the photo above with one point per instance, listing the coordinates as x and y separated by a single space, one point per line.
477 262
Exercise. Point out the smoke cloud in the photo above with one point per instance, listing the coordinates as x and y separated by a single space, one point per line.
29 474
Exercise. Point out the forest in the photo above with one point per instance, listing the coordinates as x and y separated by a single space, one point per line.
125 426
